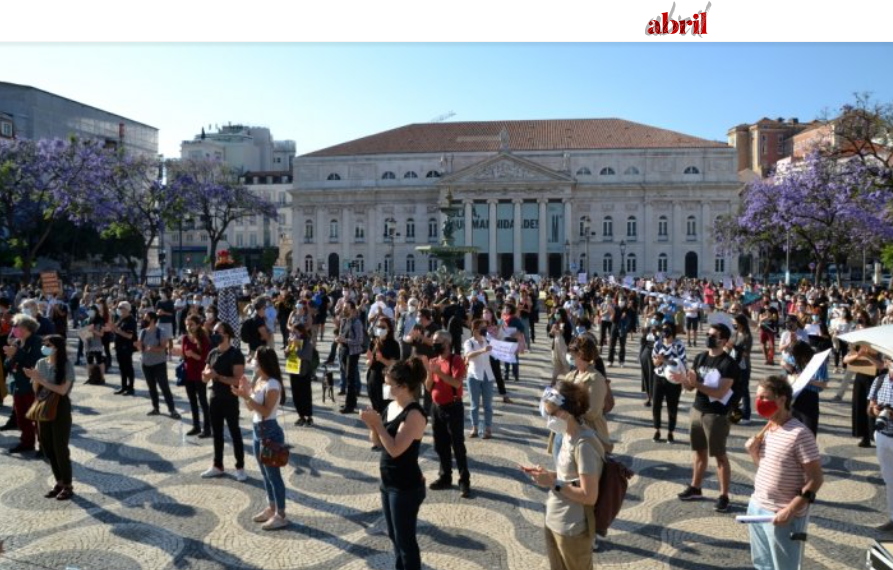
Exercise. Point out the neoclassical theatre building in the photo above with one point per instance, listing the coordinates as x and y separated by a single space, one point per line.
601 196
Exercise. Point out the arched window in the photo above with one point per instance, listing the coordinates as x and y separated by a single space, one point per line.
583 267
585 225
691 227
334 176
432 228
631 229
607 264
358 264
432 264
308 264
632 171
308 230
662 263
410 228
662 228
631 263
607 171
608 228
432 174
359 232
584 172
388 176
333 229
692 170
410 263
410 174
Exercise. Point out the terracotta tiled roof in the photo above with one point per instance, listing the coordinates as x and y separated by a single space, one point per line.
571 134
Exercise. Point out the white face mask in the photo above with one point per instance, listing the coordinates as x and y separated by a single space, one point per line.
385 392
557 425
381 332
571 361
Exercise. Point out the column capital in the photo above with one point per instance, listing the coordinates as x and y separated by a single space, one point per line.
542 200
517 200
492 201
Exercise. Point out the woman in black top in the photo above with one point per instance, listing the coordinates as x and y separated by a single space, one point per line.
383 352
226 365
400 434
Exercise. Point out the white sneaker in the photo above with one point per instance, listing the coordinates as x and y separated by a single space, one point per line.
744 422
213 472
277 521
240 475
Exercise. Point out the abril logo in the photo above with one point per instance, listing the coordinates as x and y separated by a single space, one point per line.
665 24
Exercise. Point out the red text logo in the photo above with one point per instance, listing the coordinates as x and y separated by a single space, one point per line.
666 24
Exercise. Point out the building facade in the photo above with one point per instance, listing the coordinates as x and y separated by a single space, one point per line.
245 148
601 196
759 146
36 114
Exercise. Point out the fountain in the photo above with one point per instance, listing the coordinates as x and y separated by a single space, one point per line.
447 253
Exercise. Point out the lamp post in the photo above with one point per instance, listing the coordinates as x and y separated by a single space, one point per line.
787 261
567 256
590 233
622 258
392 237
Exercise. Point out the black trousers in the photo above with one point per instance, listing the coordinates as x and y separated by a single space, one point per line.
125 366
302 394
664 389
226 409
449 437
156 376
806 409
605 332
456 342
353 381
374 386
497 375
616 336
647 368
197 392
54 437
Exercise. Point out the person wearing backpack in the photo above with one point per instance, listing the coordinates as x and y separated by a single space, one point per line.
446 372
570 523
713 377
254 330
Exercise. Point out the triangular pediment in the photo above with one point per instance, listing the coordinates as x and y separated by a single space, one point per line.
505 168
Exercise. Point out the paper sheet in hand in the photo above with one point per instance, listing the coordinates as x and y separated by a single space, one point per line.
809 372
711 380
504 351
755 518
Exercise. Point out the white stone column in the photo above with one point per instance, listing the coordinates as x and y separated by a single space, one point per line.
568 233
516 237
346 236
648 265
679 241
372 236
321 241
543 227
492 261
468 228
707 262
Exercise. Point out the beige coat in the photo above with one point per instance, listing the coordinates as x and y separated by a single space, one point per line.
595 417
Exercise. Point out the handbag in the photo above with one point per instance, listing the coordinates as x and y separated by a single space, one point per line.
44 407
272 454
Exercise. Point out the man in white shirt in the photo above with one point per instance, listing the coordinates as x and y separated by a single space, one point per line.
692 320
379 307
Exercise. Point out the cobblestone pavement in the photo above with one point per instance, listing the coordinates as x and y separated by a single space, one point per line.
140 502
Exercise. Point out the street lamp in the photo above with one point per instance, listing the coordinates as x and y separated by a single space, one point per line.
567 256
188 221
589 233
392 237
622 258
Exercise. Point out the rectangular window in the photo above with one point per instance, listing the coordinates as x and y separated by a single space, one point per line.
432 264
203 237
764 150
720 265
662 264
239 240
6 129
281 219
662 229
780 144
252 240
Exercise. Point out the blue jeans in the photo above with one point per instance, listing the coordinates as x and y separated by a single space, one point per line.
476 389
273 483
771 547
401 512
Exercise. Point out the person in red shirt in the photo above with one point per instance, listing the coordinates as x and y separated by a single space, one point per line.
446 372
195 347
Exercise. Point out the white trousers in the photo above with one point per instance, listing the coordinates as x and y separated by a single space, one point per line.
884 445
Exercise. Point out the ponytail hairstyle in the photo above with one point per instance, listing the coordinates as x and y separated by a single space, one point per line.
61 356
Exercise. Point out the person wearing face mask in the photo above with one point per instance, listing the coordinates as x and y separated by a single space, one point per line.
54 374
406 320
793 332
511 330
384 350
880 400
164 308
300 340
446 371
125 332
45 325
712 377
152 345
195 346
225 368
350 346
650 334
740 346
789 474
476 351
493 330
573 485
621 325
667 349
21 354
94 330
869 363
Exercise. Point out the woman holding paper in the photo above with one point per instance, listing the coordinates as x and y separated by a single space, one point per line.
477 351
806 406
300 342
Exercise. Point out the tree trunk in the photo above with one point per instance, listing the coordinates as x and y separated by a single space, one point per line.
144 257
213 253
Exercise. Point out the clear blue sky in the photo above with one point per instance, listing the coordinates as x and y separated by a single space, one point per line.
323 94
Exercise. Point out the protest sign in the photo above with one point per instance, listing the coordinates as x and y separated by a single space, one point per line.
504 351
49 282
809 372
231 278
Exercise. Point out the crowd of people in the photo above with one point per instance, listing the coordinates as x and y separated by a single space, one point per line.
427 351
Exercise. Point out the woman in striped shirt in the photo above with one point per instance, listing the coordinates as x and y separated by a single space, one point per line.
668 351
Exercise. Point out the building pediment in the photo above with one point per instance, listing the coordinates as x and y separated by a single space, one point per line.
505 168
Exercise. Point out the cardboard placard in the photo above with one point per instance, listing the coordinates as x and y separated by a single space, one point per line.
49 282
504 351
231 278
